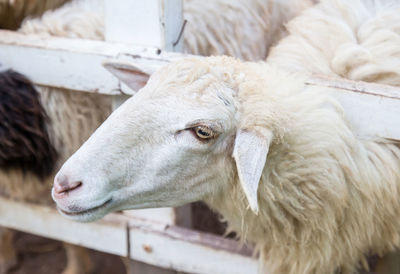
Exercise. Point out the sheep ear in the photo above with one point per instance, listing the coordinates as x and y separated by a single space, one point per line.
250 154
133 76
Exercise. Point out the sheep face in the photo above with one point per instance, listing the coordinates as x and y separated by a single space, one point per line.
170 144
165 146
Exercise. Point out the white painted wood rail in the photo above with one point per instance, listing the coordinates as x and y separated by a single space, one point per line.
74 63
147 241
373 110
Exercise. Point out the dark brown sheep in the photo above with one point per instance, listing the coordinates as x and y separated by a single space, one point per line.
24 140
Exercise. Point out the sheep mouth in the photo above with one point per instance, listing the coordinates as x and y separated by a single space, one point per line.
86 211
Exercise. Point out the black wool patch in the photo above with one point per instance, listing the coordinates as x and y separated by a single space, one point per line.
24 140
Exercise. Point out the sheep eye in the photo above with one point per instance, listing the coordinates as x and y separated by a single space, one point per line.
203 132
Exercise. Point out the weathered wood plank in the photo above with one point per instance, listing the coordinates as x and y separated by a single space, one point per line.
151 242
163 215
372 109
189 251
108 235
94 47
356 86
74 63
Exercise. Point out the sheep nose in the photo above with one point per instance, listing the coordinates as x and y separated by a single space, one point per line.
63 185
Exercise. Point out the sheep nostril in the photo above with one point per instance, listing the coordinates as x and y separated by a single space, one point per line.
63 185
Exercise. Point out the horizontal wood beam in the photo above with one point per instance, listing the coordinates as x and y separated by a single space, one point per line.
108 235
361 87
189 251
143 240
373 110
75 64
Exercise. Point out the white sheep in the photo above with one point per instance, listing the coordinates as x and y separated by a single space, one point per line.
260 25
310 194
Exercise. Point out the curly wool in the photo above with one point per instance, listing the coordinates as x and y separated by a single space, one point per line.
357 40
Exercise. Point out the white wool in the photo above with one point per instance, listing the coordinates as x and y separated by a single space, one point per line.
356 40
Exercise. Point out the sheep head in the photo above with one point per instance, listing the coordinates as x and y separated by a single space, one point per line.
181 138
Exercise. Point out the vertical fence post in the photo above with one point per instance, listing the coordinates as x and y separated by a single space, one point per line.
150 23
